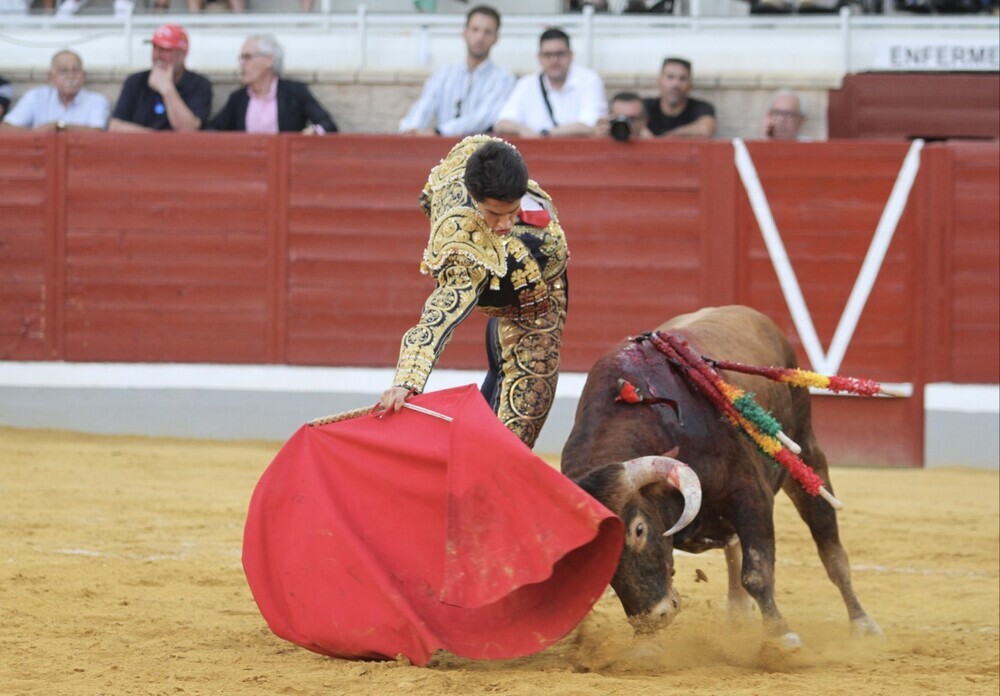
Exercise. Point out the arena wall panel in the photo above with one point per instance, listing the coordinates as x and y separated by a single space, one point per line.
915 105
27 247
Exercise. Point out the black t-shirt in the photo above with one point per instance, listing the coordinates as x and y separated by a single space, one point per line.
6 97
144 106
660 123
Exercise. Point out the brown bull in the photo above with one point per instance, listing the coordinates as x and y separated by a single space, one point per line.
623 455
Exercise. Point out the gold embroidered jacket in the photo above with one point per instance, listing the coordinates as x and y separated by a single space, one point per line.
505 275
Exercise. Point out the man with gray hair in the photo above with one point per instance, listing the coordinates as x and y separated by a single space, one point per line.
269 103
784 117
63 103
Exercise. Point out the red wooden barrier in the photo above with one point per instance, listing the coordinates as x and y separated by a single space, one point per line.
234 248
915 105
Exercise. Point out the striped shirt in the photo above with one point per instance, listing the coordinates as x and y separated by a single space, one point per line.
460 102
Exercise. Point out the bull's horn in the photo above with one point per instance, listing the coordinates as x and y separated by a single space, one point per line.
646 470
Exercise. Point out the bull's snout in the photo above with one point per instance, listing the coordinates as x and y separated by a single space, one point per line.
659 616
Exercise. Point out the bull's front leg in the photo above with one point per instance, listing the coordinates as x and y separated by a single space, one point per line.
756 535
739 606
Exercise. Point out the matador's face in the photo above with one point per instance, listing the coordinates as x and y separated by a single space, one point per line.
500 216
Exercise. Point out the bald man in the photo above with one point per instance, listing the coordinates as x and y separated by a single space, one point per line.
63 104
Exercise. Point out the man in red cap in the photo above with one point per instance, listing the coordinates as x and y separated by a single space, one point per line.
167 97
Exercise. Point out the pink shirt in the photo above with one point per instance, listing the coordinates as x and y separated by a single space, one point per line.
262 112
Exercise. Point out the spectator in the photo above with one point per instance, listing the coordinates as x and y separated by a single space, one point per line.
6 96
464 98
626 120
675 114
562 100
167 97
196 6
623 6
785 116
63 103
270 103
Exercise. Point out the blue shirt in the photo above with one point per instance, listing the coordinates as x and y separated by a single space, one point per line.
460 102
42 105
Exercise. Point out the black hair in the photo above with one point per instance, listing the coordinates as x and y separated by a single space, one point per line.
626 97
496 170
483 10
680 61
6 96
554 33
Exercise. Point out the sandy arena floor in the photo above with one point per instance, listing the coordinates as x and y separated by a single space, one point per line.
120 574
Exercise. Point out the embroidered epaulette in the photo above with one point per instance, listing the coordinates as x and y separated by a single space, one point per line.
462 232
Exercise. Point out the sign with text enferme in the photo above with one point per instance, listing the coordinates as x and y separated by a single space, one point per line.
954 56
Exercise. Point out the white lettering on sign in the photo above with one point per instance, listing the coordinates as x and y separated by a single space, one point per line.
948 56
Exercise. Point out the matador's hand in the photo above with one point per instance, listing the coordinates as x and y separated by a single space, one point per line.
393 398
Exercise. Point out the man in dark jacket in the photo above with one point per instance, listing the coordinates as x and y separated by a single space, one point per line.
268 103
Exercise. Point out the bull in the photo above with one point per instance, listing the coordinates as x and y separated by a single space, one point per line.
681 477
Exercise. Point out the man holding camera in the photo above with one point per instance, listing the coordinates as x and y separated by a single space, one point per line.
626 120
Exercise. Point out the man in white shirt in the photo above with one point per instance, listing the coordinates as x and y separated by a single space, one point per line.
63 103
464 98
561 100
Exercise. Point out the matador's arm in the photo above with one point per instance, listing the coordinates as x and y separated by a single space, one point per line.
459 285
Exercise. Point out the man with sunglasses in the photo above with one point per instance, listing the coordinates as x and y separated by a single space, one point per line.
270 103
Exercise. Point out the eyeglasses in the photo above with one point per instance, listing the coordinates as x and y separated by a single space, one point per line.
778 113
545 55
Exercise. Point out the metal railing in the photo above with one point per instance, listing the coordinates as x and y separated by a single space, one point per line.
414 40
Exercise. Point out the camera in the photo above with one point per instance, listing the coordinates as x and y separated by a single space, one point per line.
621 128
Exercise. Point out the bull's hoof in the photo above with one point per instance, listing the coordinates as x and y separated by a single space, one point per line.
865 627
780 651
790 642
784 644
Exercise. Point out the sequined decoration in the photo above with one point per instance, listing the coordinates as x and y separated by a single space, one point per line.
529 359
450 302
467 259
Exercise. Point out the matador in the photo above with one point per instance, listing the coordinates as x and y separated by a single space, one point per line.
495 246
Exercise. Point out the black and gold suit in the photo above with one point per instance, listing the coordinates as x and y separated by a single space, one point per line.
517 278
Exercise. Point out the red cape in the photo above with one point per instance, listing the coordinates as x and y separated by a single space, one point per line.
404 534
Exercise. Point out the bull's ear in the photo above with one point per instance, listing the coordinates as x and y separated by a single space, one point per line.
673 453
